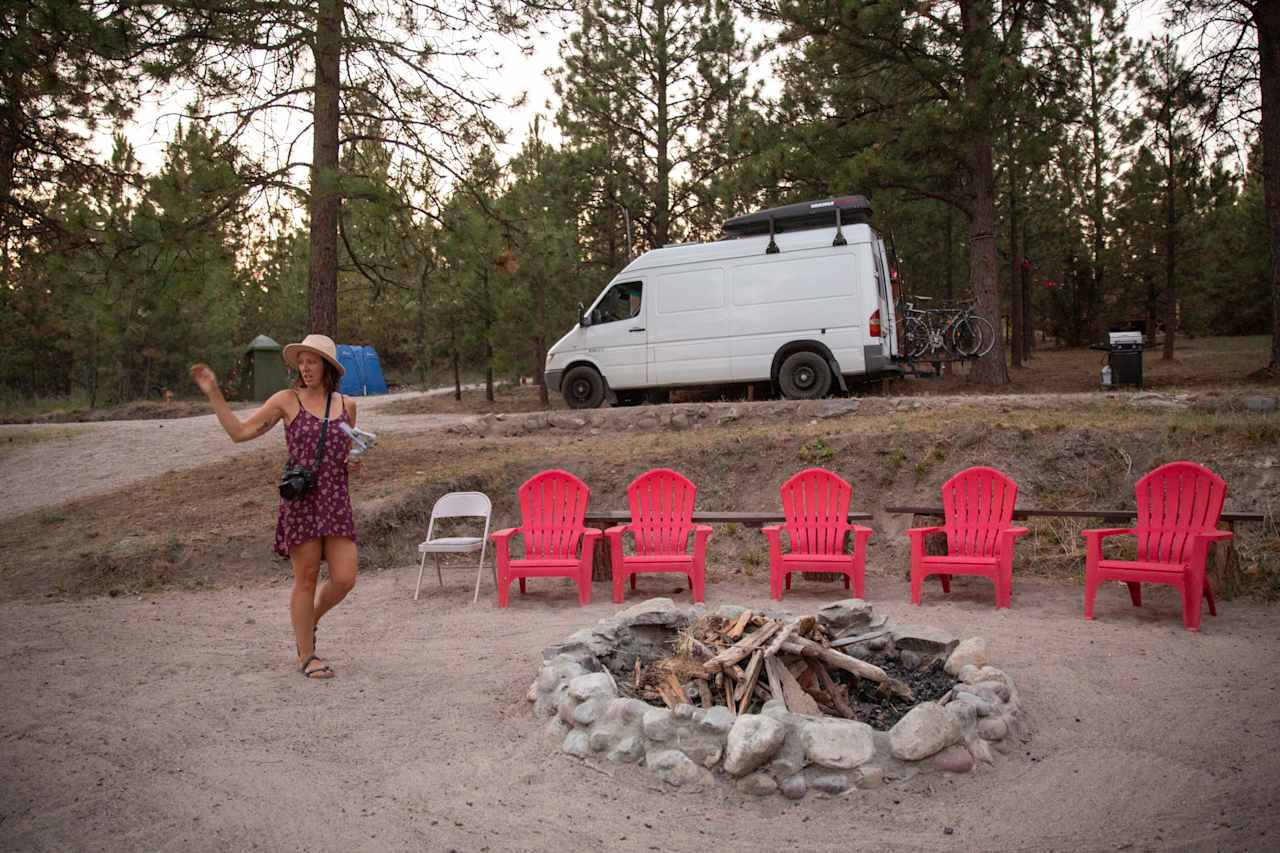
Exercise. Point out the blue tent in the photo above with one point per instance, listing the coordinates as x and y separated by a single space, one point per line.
363 371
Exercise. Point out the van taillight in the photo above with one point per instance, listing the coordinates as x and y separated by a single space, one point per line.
875 323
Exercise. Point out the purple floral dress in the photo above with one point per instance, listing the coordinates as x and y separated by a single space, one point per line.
326 509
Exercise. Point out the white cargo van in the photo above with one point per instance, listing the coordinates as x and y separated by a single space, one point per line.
798 296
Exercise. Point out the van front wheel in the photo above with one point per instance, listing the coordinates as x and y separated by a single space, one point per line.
804 376
583 388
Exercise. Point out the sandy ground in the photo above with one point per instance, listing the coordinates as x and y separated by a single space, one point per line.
72 461
175 722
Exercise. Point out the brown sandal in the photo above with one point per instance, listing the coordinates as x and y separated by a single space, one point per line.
316 672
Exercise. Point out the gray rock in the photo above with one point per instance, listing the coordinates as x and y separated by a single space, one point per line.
826 782
790 758
684 711
1257 403
718 719
647 423
679 421
993 728
592 686
997 688
751 742
588 712
837 408
601 738
953 759
964 713
970 652
659 724
757 784
627 711
729 612
675 768
577 743
986 694
910 660
926 729
702 746
980 749
656 611
990 673
794 787
921 638
851 614
566 422
626 750
968 674
838 744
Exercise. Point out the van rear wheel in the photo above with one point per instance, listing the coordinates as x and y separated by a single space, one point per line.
804 375
583 388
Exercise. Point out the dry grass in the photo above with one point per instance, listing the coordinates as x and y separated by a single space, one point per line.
213 525
1198 364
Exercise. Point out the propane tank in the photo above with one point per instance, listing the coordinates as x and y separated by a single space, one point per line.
1106 376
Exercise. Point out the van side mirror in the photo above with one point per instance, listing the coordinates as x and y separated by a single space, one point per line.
583 319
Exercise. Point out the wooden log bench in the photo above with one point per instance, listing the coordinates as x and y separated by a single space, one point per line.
601 569
1224 572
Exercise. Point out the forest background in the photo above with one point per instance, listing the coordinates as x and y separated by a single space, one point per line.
1029 152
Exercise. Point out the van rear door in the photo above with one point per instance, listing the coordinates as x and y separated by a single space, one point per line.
884 299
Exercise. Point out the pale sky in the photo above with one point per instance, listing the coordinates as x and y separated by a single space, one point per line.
154 124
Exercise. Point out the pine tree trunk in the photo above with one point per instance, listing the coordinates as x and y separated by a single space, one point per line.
322 284
421 356
662 201
457 375
975 16
1028 331
1015 278
1267 18
1170 257
950 291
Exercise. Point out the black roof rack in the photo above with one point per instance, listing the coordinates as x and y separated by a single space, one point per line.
803 216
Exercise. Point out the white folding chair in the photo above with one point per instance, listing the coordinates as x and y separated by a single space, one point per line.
455 505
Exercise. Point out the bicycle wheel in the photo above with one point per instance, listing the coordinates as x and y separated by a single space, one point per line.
916 338
972 337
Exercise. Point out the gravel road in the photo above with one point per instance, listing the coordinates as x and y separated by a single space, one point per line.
50 464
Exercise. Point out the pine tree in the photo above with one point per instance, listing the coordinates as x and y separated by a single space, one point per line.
651 91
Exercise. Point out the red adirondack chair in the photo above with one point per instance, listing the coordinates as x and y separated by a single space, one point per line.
661 521
815 504
1177 520
978 507
552 506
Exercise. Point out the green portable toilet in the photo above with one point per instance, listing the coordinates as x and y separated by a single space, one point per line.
266 367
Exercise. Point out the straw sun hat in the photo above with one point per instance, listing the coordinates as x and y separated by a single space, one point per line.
321 345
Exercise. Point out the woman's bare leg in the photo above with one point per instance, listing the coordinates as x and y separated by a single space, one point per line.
340 554
306 571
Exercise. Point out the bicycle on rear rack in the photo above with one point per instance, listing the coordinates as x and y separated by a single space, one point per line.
944 333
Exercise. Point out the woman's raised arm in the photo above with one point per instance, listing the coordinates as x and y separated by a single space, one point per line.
257 424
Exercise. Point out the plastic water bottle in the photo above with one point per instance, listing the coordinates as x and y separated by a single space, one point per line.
1106 376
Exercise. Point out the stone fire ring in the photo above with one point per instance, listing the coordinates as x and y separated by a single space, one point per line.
773 751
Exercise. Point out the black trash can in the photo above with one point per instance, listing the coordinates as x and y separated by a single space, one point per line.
1125 358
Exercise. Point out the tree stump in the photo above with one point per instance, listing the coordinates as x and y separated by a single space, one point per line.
601 565
1225 575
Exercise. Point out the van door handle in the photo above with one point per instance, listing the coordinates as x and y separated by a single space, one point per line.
636 329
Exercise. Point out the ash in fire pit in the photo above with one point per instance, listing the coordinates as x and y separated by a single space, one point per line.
820 703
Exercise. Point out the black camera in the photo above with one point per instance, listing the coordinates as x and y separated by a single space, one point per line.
295 482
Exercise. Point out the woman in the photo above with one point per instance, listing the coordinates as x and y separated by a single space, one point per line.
320 525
